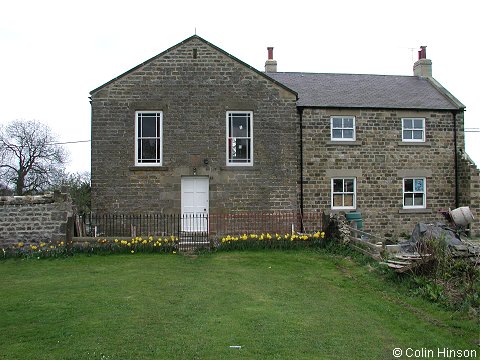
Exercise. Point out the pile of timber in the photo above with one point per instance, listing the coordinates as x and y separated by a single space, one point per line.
402 262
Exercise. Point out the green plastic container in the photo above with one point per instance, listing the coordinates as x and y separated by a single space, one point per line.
355 216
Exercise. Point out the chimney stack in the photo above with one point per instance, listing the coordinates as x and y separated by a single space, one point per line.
270 64
423 66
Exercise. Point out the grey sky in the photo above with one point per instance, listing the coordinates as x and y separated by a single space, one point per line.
54 52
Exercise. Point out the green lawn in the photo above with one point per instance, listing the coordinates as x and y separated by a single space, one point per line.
275 305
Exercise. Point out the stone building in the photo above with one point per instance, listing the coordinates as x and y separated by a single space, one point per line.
196 130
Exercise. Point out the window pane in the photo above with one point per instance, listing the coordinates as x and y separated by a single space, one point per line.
240 149
408 185
418 134
149 149
337 185
407 134
349 185
348 200
149 126
418 124
419 185
337 123
408 200
337 134
418 199
348 134
348 123
240 126
407 123
337 200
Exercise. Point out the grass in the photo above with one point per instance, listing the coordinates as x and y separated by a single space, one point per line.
274 304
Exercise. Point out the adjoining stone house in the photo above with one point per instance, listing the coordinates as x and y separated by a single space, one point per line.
196 130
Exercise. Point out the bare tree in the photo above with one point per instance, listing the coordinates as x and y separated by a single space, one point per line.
29 156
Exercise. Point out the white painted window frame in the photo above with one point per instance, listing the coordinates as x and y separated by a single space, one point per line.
413 129
424 193
354 193
159 115
353 138
227 138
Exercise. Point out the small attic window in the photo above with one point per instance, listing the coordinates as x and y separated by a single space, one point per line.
194 53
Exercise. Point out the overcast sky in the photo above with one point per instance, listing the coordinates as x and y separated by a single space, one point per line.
53 53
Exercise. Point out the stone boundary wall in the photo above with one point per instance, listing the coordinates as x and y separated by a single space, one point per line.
34 219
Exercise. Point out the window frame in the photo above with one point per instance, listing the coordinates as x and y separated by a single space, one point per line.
158 161
343 193
424 193
413 129
343 128
249 160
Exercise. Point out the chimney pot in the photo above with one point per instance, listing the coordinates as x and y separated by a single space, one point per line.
422 53
270 53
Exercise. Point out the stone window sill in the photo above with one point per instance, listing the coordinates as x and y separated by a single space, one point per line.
349 143
148 168
237 168
415 211
413 143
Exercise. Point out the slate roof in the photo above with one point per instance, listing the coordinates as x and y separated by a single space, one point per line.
367 91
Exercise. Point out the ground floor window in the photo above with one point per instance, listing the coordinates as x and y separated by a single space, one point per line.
344 193
414 193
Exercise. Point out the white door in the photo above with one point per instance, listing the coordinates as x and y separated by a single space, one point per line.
194 203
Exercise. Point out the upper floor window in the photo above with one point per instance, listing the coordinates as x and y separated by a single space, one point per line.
148 138
239 138
342 128
344 193
413 129
414 193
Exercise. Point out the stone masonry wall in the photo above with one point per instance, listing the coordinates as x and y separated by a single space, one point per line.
34 219
379 161
194 85
469 183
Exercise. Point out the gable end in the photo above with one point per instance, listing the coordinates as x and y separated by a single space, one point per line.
279 84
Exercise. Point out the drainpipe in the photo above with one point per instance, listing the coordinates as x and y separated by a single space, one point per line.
455 145
300 111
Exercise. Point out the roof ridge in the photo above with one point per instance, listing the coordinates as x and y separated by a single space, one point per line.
347 74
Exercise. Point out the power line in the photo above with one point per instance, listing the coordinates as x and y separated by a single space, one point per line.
69 142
